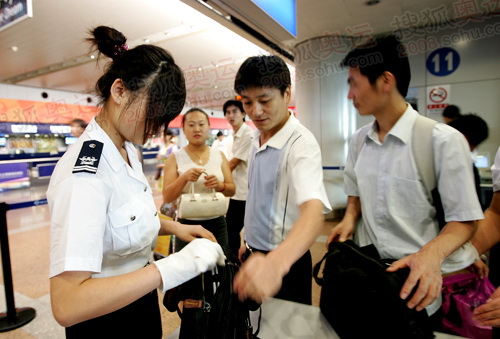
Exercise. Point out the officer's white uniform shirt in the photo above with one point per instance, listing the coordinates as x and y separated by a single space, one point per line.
495 172
242 145
107 222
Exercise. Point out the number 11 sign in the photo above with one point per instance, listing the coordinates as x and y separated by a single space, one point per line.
443 61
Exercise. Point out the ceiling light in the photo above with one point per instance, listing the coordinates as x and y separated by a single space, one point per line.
14 48
146 40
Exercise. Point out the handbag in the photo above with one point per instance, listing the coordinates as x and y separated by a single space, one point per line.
201 205
462 293
211 309
360 299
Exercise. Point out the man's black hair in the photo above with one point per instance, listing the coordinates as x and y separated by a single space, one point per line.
451 112
263 71
473 127
236 103
385 53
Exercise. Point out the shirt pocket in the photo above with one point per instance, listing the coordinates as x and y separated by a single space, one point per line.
127 229
406 200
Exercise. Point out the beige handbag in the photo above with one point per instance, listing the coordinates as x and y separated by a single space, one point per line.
201 205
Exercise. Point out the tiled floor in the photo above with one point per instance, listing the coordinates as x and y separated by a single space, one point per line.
28 230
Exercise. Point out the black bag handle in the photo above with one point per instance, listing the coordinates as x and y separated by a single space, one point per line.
320 280
348 247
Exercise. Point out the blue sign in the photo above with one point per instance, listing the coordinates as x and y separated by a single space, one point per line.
282 11
14 11
443 61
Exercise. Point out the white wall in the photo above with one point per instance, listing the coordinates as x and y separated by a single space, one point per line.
322 106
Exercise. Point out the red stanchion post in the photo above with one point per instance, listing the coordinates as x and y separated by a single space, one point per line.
14 317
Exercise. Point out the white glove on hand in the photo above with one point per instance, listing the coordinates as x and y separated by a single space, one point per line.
199 256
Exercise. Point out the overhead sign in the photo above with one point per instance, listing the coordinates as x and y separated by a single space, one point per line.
54 112
13 12
443 61
283 11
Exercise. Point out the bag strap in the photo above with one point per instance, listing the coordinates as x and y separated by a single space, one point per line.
333 248
350 248
191 190
319 280
256 333
423 153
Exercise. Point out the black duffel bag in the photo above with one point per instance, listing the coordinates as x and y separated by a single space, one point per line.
360 299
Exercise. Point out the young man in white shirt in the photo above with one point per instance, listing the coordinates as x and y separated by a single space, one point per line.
286 197
242 143
384 187
488 235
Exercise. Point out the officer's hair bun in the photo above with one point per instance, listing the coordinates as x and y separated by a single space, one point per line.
108 41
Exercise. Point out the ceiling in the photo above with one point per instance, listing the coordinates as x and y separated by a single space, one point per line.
51 52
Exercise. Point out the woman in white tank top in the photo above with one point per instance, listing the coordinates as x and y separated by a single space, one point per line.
188 164
183 167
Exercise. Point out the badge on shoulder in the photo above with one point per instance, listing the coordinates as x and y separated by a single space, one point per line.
88 159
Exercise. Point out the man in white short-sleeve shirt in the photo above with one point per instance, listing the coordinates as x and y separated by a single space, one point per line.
488 235
241 145
385 189
286 198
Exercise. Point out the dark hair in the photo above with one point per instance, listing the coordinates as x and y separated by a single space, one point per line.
219 134
451 111
236 103
263 71
167 132
473 127
79 122
144 70
385 53
194 109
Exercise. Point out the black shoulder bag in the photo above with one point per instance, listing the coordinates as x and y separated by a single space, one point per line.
360 299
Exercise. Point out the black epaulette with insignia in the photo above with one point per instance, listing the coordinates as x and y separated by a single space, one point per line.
89 157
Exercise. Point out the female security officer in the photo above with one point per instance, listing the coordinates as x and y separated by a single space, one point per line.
104 222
